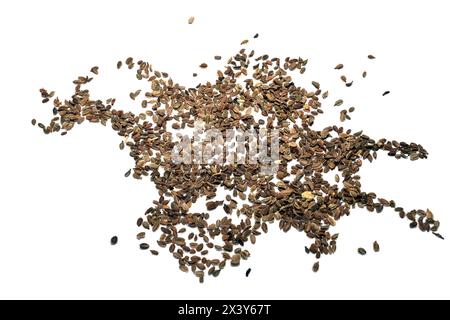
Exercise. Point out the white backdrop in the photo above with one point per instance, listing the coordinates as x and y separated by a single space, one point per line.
62 198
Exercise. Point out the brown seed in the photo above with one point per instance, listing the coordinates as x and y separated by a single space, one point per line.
316 266
338 103
339 66
370 56
344 79
247 273
140 235
376 247
362 251
94 70
191 20
154 252
235 260
127 174
336 178
364 74
33 122
119 64
203 66
122 145
144 246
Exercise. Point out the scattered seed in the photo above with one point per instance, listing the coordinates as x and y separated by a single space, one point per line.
94 70
316 266
144 246
376 247
370 56
247 273
191 20
203 65
339 66
386 93
362 251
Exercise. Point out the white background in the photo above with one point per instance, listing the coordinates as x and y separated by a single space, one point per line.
62 198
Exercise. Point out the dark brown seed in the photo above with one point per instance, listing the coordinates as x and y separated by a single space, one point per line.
203 65
349 84
33 122
339 66
122 145
344 79
364 74
119 64
247 273
127 174
376 247
256 36
316 84
154 252
362 251
94 70
140 235
144 246
114 240
338 103
316 266
217 57
370 56
386 93
194 74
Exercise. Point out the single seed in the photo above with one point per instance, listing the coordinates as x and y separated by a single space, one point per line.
114 240
94 70
371 57
203 65
339 66
362 251
316 266
376 247
386 93
247 273
191 20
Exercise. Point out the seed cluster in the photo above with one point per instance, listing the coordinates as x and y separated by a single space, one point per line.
249 93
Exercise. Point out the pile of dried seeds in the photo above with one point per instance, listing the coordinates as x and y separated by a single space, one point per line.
296 197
